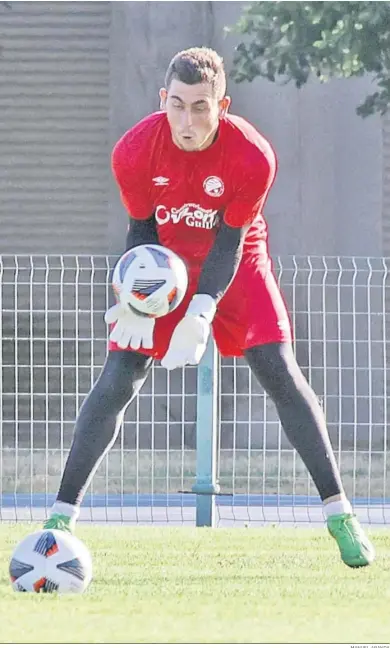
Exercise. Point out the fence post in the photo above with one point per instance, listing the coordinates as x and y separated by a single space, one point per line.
206 486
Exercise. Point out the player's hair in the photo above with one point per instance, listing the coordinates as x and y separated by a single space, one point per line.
198 65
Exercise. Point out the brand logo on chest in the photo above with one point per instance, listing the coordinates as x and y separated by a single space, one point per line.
161 181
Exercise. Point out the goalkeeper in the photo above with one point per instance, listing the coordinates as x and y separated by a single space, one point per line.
195 179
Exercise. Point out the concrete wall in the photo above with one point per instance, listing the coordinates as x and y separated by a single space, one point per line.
328 195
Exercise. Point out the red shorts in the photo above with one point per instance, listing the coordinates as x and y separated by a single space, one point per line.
252 312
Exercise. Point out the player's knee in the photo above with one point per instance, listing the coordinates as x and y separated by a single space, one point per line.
118 382
276 369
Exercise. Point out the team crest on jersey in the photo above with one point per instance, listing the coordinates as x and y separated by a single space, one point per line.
214 186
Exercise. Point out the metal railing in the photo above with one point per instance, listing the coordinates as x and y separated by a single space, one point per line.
54 344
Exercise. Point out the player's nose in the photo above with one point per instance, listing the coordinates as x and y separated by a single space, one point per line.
186 119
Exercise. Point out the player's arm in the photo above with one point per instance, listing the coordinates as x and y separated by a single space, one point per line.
222 262
129 328
130 175
190 337
218 271
141 232
130 172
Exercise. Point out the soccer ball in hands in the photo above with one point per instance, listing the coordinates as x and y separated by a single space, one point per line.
150 279
51 561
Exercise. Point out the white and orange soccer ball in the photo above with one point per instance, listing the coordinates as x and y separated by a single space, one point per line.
151 279
51 561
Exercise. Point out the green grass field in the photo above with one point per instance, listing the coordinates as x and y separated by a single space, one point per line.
187 585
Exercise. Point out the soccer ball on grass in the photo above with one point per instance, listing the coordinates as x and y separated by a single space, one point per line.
51 561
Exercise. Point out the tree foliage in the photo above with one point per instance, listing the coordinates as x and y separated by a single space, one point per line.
291 41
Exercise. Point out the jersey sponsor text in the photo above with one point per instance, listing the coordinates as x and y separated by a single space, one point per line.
192 214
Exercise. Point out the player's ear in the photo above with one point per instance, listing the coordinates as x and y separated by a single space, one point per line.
163 98
224 105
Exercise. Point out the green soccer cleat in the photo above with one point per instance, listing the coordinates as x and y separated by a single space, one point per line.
355 548
59 522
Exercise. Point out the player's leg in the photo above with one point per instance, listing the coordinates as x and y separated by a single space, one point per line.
96 429
253 316
275 367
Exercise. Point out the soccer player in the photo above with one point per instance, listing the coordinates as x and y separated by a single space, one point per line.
195 179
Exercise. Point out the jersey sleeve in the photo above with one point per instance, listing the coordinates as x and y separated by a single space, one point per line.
252 185
130 169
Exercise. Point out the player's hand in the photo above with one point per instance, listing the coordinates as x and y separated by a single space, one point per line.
130 330
188 342
189 339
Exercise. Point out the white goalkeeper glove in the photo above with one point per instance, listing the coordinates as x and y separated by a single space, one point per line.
189 339
130 330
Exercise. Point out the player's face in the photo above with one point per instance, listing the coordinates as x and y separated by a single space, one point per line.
193 113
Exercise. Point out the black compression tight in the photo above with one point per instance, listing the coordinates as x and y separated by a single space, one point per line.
100 418
123 375
301 416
